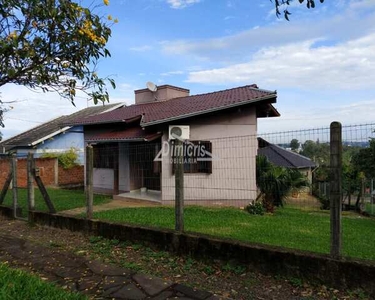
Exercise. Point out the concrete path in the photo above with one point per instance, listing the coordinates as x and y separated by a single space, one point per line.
92 277
114 204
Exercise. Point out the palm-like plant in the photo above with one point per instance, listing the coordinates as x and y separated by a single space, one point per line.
275 183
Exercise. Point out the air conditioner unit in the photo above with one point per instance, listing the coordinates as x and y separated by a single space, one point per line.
179 131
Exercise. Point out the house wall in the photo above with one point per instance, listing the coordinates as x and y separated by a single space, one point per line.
124 167
232 182
103 180
59 143
308 173
233 178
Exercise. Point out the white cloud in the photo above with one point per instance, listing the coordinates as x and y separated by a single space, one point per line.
227 18
195 68
141 48
361 4
356 20
33 108
177 4
171 73
360 112
126 87
349 65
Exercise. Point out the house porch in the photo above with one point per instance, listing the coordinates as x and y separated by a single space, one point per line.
128 170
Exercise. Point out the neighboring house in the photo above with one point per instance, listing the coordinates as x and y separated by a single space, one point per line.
53 136
127 140
286 158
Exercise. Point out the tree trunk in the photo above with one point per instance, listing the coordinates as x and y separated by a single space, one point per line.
357 202
268 203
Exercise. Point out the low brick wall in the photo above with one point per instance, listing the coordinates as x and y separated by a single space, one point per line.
50 172
71 177
47 173
341 274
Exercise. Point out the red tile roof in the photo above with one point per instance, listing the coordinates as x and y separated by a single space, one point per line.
178 108
133 133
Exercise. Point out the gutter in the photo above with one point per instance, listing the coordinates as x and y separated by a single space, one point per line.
148 138
115 140
208 111
49 136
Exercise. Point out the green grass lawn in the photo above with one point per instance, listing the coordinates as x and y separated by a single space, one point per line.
288 227
19 285
62 199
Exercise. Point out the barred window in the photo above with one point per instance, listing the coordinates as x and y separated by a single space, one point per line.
104 156
197 157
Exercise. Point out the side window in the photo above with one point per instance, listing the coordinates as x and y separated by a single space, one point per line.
196 157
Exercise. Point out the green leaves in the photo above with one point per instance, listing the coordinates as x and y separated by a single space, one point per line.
112 82
286 3
53 46
67 159
275 182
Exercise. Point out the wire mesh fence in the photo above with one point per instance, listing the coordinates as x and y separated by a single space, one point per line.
52 187
217 172
257 172
358 162
230 172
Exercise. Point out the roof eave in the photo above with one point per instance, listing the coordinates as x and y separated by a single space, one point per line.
49 136
112 108
268 97
271 112
149 138
115 106
126 121
304 167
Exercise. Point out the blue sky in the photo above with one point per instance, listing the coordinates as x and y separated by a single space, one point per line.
322 63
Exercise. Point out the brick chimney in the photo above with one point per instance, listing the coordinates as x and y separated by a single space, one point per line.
163 93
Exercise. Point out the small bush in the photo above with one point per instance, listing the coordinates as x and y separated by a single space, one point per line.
324 202
255 208
67 159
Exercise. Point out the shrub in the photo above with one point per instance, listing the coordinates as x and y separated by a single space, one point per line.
323 199
67 159
324 202
275 182
255 208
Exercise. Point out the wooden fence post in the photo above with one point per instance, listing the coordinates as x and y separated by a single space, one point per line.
7 183
179 184
363 194
336 188
89 181
30 181
14 186
116 187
